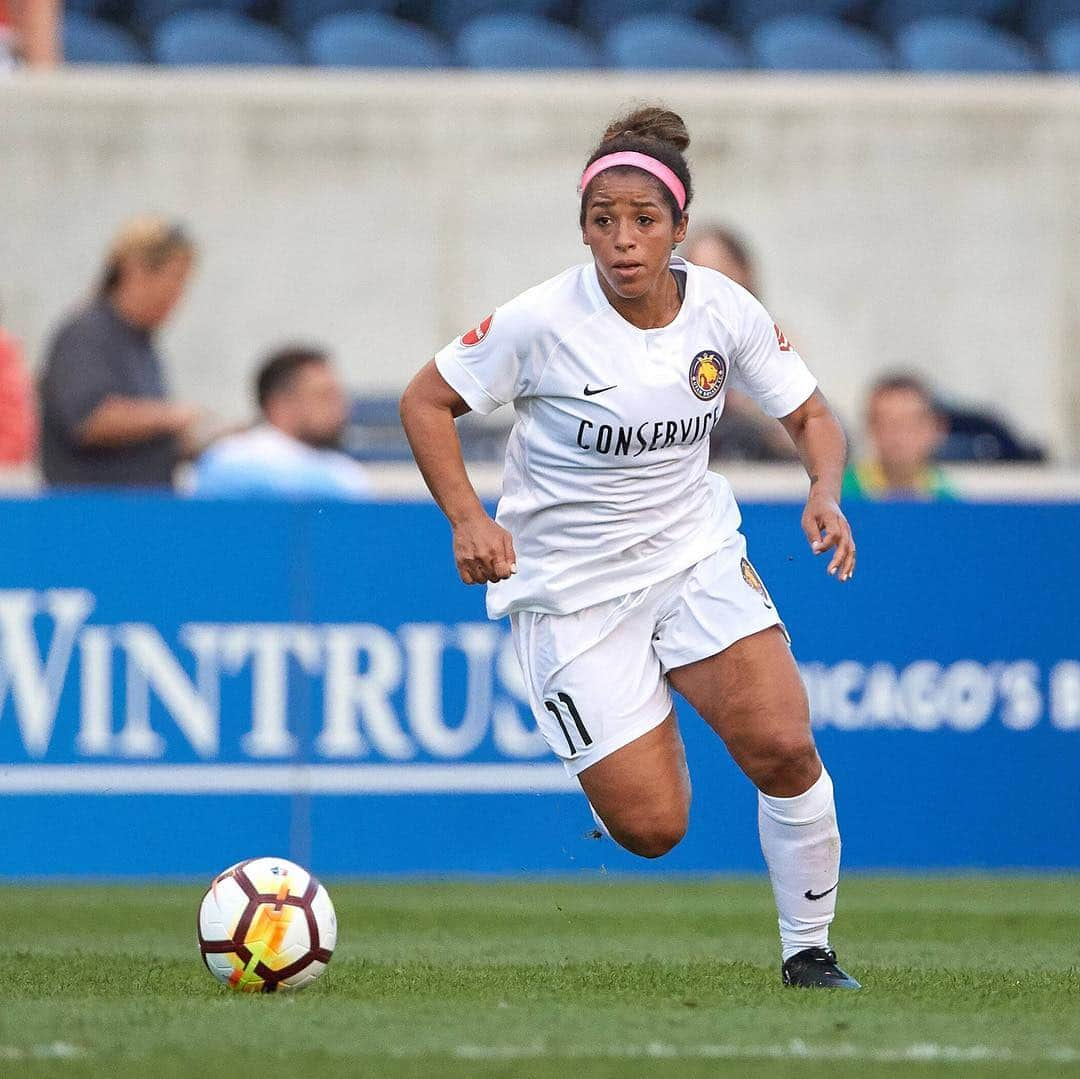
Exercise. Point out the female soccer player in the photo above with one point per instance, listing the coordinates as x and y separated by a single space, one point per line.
616 554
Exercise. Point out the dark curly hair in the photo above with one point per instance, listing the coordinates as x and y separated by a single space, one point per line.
651 130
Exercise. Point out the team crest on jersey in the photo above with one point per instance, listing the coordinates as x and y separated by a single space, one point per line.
478 333
708 370
750 576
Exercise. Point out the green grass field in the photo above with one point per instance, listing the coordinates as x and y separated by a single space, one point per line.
970 976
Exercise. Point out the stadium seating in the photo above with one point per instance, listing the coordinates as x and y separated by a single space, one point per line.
1041 17
597 17
374 431
817 43
888 16
147 15
741 16
1063 47
373 40
92 41
450 17
961 44
804 35
299 16
671 41
203 38
87 7
523 42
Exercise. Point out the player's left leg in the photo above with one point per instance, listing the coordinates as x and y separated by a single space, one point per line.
752 696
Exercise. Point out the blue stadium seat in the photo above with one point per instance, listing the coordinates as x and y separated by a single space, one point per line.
741 16
523 42
889 16
597 17
1041 17
671 41
148 15
204 38
87 7
450 17
374 433
92 41
374 40
962 44
115 11
1063 47
299 16
817 43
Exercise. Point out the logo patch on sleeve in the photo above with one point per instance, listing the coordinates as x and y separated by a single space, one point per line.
476 335
781 340
708 370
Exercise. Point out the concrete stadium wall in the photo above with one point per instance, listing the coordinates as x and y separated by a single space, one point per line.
921 223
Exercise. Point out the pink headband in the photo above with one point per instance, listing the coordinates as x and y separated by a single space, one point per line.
639 161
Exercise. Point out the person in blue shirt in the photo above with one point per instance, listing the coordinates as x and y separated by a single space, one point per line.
293 452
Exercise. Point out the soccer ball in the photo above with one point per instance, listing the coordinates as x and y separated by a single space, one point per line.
266 924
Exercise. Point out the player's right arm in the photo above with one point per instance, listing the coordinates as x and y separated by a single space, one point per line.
483 550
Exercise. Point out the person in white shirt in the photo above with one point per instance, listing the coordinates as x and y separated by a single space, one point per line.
293 453
617 554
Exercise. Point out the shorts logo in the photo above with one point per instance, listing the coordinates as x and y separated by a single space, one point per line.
750 576
475 336
708 370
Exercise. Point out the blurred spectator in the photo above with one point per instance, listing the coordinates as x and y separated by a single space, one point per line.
905 430
29 32
744 432
18 417
106 417
294 452
719 248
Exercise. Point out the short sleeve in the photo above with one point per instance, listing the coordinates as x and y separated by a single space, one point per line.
79 376
771 371
494 363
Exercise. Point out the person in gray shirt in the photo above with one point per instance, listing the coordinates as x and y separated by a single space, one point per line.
106 419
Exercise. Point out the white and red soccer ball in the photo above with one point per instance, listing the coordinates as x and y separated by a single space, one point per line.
266 925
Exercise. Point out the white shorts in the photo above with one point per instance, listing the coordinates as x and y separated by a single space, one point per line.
597 678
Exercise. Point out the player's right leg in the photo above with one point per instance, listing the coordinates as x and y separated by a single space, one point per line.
601 701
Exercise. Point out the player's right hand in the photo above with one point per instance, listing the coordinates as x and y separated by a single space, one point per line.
483 550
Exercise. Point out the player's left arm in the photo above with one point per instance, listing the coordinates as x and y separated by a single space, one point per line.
820 440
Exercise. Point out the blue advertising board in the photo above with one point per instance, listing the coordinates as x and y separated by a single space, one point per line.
184 684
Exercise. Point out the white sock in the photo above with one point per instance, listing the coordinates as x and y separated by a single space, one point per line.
801 844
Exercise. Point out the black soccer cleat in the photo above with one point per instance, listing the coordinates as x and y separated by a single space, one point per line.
816 968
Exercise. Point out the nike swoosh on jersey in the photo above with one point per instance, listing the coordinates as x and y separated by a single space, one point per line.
589 392
810 895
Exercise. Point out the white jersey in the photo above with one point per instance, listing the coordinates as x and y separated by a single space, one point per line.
606 488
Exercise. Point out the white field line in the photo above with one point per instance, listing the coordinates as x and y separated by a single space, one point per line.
917 1052
52 1051
284 779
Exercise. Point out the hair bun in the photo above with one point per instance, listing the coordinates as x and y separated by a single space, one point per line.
652 122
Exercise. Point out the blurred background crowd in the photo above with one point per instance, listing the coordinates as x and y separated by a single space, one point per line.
87 400
101 414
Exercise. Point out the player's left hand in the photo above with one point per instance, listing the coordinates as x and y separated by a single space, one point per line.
827 529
